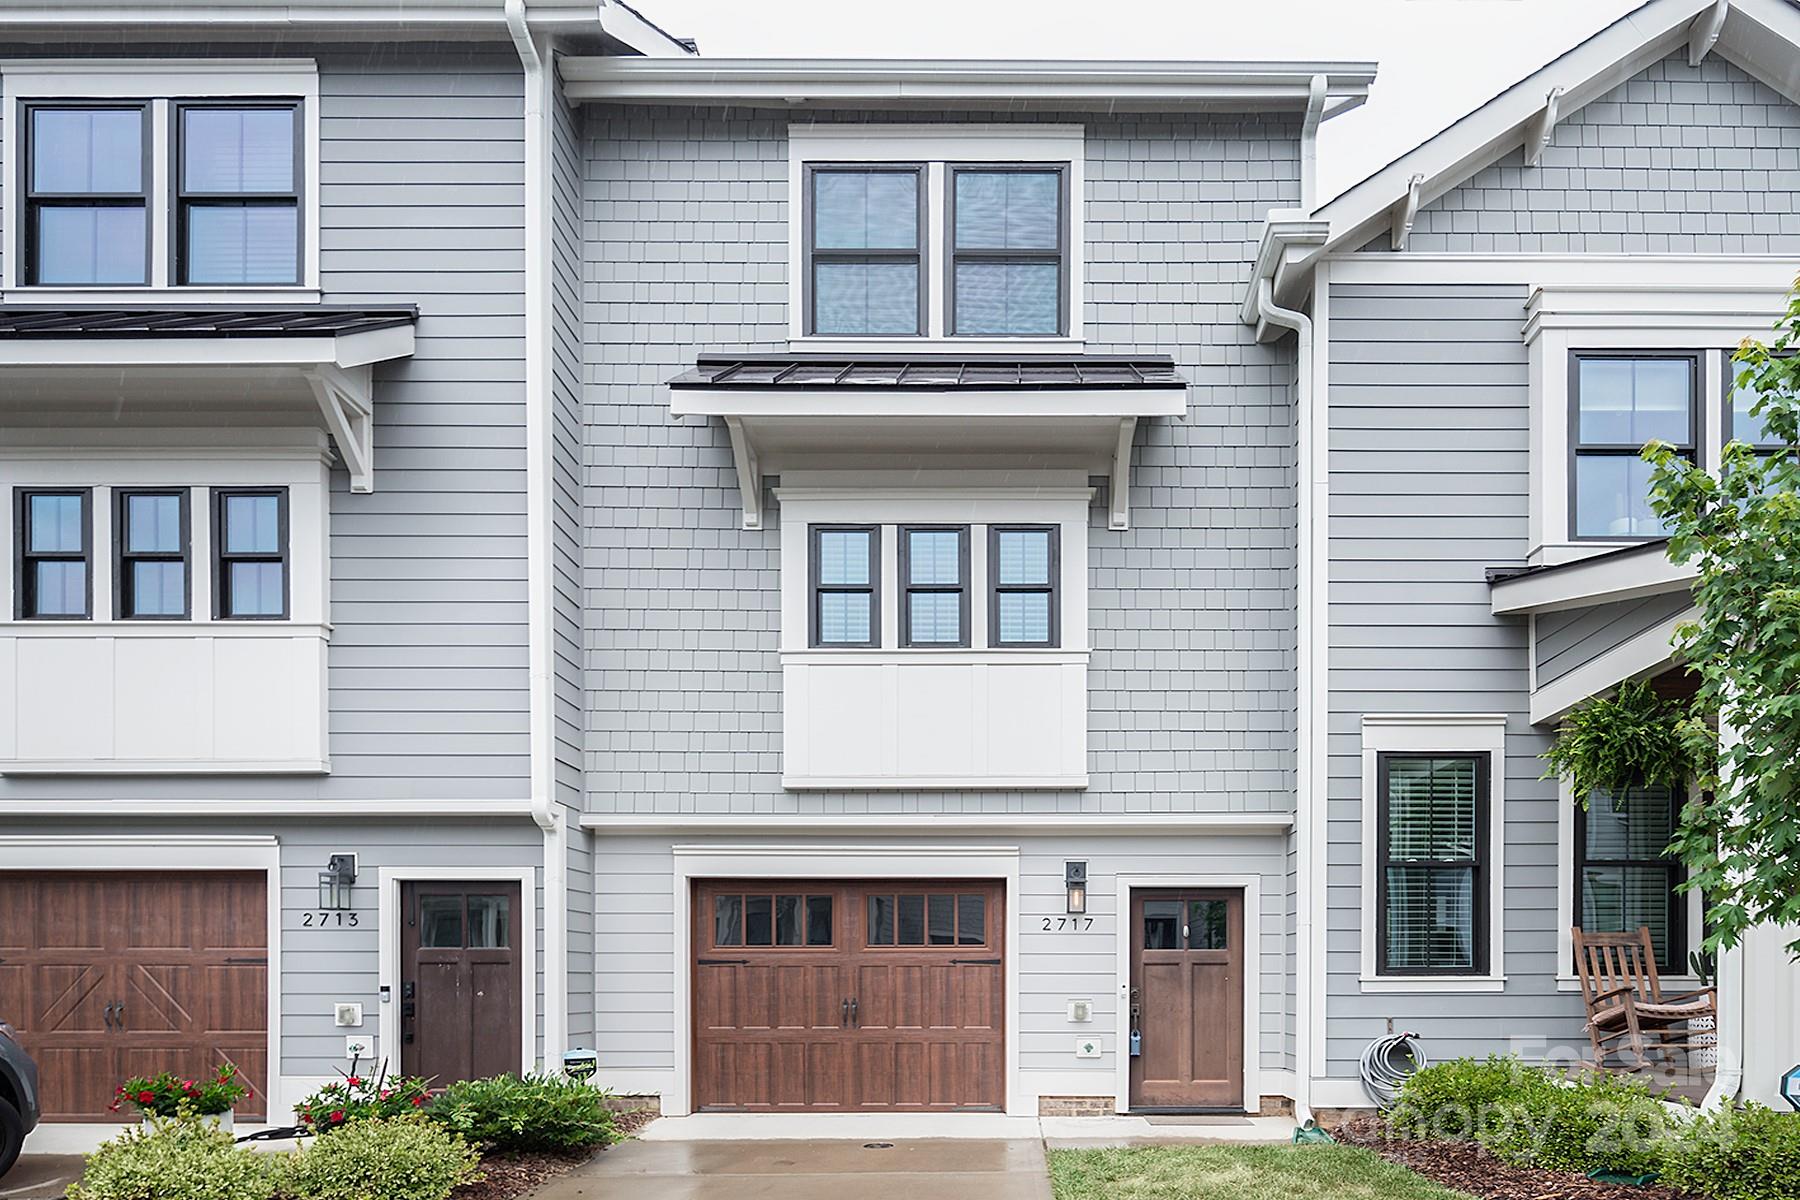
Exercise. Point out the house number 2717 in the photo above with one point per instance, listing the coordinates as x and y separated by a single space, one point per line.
1068 924
318 920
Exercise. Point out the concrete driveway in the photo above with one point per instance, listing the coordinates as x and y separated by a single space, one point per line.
935 1169
40 1177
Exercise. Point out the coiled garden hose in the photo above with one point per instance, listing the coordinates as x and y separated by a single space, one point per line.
1386 1064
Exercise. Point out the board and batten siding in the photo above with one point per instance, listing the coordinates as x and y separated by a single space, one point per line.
1429 478
1191 682
421 179
1676 160
635 1020
1573 638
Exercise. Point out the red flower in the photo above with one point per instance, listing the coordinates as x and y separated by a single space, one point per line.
120 1091
187 1085
418 1100
338 1115
306 1118
146 1097
386 1092
353 1081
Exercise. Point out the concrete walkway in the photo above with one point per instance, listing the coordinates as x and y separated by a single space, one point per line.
41 1177
829 1169
1057 1132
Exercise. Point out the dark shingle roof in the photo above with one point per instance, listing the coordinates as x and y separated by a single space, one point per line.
929 373
316 321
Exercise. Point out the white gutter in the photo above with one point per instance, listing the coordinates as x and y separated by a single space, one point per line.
1310 619
540 527
1728 1075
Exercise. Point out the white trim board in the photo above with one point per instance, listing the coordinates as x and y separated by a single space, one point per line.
936 823
784 861
1454 733
388 921
163 853
1251 886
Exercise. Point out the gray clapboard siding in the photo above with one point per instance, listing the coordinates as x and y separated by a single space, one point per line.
1191 611
1567 640
1442 370
1677 160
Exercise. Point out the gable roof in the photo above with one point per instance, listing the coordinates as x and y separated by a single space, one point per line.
1760 36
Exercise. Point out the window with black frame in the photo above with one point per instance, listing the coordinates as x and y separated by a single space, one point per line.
1431 835
1008 272
87 180
150 531
1022 575
934 585
250 553
237 218
1741 424
864 264
1625 877
53 530
1618 403
845 564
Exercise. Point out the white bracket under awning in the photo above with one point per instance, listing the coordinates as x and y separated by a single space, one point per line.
1542 128
1405 213
346 402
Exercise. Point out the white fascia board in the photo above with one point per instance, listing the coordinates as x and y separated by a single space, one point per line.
1286 234
347 350
1583 74
854 404
1605 579
928 824
1110 85
1634 658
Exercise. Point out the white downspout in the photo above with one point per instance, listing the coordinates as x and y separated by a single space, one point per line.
1310 770
1728 1075
539 529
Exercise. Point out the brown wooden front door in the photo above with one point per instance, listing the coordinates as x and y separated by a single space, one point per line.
832 996
110 975
1187 992
461 980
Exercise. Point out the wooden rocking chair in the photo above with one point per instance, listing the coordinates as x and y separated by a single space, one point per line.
1626 1008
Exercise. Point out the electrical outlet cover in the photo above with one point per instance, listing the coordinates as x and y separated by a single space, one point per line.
360 1046
1081 1010
1087 1047
349 1016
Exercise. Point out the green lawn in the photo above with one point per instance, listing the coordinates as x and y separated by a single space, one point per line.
1236 1173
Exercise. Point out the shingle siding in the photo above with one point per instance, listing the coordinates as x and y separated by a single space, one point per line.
1191 611
1677 160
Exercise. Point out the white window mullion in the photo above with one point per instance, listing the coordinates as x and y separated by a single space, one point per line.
161 192
936 249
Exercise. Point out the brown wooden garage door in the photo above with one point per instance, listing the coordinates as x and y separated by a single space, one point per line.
833 996
112 975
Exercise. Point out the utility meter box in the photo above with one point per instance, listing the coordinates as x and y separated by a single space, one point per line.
580 1063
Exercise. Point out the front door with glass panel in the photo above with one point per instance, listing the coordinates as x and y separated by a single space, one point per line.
461 982
1187 999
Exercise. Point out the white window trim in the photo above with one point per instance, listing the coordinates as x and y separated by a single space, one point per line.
797 860
158 81
1569 318
822 500
298 461
935 146
1566 978
1472 733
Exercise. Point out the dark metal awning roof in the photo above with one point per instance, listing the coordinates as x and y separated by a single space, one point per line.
794 372
316 321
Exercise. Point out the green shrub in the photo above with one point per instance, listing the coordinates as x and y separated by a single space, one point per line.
538 1112
1447 1100
362 1098
166 1094
1746 1152
170 1159
403 1158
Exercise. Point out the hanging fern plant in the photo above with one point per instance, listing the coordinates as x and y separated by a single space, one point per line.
1630 739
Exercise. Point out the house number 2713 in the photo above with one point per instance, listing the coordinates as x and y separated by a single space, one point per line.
1068 924
318 920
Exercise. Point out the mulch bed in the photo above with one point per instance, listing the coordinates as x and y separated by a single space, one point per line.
513 1175
1466 1167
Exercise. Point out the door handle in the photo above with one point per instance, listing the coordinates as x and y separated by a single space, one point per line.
121 1016
108 1016
844 1014
853 1017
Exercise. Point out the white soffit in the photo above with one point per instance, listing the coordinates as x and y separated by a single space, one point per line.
1603 579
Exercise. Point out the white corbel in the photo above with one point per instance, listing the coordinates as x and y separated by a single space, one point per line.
1309 142
1542 127
1119 486
1406 212
345 396
749 472
1703 34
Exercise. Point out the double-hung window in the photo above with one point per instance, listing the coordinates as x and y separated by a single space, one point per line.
250 548
237 194
1009 261
845 602
934 585
150 530
1022 568
1741 424
1625 878
1431 836
1619 402
87 195
865 267
54 532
